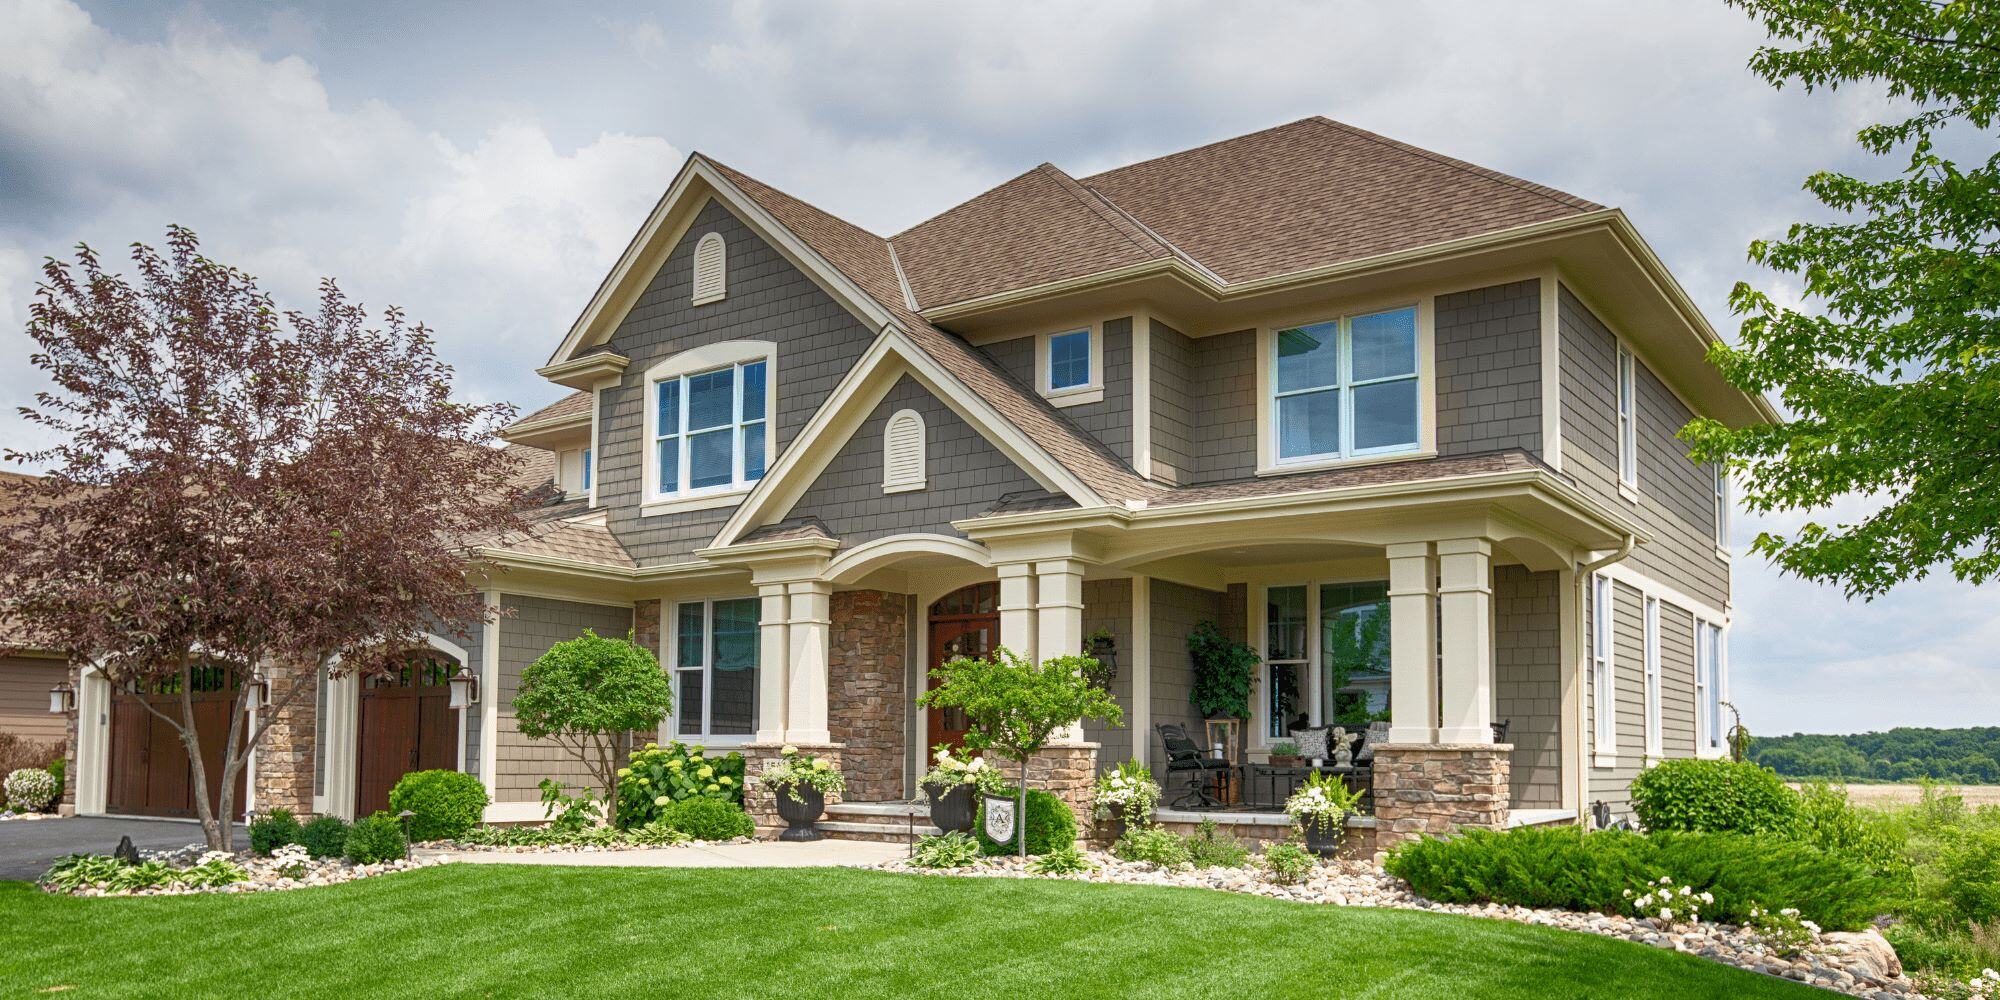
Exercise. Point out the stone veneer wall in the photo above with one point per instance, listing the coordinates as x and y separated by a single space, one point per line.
284 773
1431 788
68 806
867 696
1070 772
761 803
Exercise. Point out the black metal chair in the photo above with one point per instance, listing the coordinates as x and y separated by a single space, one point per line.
1500 730
1184 756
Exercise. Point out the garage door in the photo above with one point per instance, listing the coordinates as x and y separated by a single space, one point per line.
150 773
406 725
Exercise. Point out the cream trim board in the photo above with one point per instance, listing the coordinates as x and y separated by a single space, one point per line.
1142 667
1649 587
489 694
1091 390
1551 342
1268 462
695 361
1142 393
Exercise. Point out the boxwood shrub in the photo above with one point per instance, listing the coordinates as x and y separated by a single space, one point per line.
708 819
1050 825
1714 796
374 840
446 803
324 837
273 830
1566 868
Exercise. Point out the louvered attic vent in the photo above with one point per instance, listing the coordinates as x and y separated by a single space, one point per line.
711 266
903 453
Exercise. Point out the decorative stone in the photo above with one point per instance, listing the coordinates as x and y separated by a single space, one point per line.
867 690
1068 771
1424 788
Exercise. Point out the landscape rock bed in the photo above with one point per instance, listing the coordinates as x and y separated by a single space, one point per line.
465 848
8 816
266 874
1861 965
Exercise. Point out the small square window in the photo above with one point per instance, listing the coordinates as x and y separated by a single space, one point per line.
1069 360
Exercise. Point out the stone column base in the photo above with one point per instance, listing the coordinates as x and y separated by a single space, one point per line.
1068 771
762 803
1438 788
284 775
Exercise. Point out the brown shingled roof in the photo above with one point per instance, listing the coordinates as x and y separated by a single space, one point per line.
552 533
1363 475
575 404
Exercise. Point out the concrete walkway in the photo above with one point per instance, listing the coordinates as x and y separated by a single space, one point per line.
762 854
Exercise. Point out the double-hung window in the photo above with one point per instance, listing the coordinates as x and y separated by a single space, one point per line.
1653 677
1346 388
1285 659
1603 700
1628 419
1721 507
715 668
709 430
1710 666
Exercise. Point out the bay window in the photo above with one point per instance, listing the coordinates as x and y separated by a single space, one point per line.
1346 388
715 669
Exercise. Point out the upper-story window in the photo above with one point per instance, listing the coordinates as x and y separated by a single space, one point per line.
711 269
1603 698
1628 419
708 422
1069 366
1347 388
1721 507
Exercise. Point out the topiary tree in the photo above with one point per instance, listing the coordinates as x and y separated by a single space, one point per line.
446 803
1013 706
588 695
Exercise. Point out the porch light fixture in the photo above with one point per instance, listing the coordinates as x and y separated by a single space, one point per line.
464 688
260 691
62 698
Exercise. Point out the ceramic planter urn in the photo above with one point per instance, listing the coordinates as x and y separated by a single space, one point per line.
801 813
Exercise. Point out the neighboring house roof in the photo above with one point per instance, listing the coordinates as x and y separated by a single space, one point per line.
570 407
553 532
535 466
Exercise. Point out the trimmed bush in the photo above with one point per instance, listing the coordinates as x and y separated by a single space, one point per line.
1211 847
374 840
273 830
446 803
1566 868
708 819
30 789
324 837
59 770
674 773
1713 796
1050 825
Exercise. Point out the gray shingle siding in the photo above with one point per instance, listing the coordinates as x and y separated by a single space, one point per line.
1675 495
964 475
1176 609
1109 420
1676 681
1528 681
1107 604
1172 381
537 624
768 299
1225 406
1489 369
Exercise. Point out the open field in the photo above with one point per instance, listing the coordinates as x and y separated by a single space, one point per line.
1885 795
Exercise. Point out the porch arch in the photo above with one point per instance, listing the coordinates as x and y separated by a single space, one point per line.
856 563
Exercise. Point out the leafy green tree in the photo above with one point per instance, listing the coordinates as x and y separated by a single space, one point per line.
1892 379
1014 706
588 695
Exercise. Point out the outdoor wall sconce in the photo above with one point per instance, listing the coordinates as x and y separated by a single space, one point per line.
62 699
464 689
260 691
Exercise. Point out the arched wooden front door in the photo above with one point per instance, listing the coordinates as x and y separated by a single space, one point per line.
150 774
406 725
965 622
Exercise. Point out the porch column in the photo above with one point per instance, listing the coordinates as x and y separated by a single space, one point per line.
1465 566
1413 702
1059 621
773 661
810 630
1017 608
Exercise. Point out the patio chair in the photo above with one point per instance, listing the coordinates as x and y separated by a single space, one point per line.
1500 731
1184 756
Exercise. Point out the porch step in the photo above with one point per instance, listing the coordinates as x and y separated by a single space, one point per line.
885 822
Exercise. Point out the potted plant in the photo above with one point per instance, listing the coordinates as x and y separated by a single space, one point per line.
1102 648
1124 797
1320 807
1222 669
952 785
800 783
1284 753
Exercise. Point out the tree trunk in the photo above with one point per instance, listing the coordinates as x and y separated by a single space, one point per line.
191 740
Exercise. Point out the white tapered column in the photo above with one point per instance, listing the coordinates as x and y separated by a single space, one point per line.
810 629
774 654
1059 621
1017 608
1465 594
1413 700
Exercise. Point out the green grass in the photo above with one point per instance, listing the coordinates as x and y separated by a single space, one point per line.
488 930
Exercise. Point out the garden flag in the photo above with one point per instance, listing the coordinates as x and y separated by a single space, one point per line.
999 819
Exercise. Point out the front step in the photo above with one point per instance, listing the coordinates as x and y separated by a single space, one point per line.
883 822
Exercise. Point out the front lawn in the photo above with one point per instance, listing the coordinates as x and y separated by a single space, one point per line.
503 930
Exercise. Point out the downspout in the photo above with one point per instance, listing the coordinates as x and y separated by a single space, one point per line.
1583 731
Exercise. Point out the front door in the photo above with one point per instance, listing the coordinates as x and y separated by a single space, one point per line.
406 725
965 622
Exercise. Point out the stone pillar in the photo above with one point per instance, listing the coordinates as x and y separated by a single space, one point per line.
760 802
773 654
805 723
1465 594
1413 704
868 693
1438 788
284 775
1018 631
1069 772
68 801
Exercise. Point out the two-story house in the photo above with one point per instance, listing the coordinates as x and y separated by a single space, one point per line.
1404 425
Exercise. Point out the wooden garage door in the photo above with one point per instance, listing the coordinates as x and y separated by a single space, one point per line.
150 773
406 725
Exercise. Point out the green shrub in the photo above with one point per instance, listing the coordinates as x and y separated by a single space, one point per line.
324 837
657 775
1286 863
1713 796
273 830
653 834
374 840
1210 847
956 849
1566 868
1050 825
57 769
707 819
1968 875
1062 861
1153 845
1828 821
446 803
30 789
1955 953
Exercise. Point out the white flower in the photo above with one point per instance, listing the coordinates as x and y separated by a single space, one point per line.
1666 913
1707 897
788 749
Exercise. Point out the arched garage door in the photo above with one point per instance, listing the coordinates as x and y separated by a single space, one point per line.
150 774
406 725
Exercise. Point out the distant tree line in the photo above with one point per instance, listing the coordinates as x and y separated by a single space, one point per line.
1966 756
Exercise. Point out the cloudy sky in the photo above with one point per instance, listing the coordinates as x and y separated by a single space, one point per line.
482 167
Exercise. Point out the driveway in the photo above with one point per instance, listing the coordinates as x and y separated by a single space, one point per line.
29 847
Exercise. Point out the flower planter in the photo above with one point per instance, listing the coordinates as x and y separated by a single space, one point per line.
954 809
1279 761
801 813
1324 840
1114 824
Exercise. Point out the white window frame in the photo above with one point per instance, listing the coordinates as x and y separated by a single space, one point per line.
1259 626
905 483
702 297
1628 423
710 357
1722 502
1268 461
670 632
1711 685
1654 733
1092 390
1604 670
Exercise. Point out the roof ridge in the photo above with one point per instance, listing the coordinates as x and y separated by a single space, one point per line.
1197 149
791 197
1097 203
1169 244
1560 197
